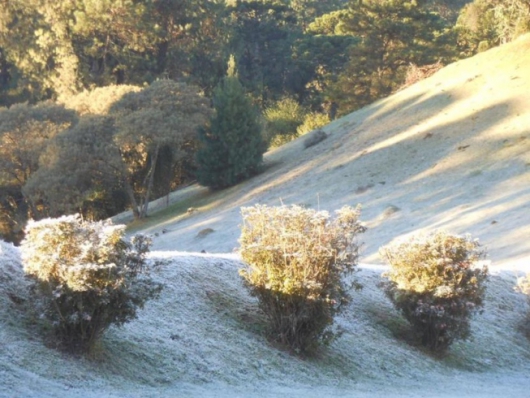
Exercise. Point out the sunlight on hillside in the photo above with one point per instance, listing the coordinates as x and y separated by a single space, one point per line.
451 151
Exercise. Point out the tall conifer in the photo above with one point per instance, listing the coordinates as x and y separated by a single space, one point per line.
232 146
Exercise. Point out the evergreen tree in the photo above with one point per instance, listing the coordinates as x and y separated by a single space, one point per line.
393 35
232 147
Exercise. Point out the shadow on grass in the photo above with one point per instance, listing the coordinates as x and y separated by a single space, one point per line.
247 316
200 201
397 326
394 323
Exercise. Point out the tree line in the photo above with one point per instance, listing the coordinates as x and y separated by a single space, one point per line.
103 98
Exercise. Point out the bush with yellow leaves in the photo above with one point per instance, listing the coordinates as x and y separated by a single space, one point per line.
297 260
434 283
85 277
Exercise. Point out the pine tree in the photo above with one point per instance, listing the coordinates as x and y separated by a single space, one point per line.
393 35
232 146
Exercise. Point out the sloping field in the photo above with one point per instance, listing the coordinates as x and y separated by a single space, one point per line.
450 152
202 339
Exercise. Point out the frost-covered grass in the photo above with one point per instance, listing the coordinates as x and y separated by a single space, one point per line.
203 337
413 153
164 214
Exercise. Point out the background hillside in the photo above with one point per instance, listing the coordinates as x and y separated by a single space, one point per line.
452 151
449 152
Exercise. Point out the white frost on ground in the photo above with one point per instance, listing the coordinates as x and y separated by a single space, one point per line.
202 339
452 151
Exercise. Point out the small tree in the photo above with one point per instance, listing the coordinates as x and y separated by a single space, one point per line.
86 277
232 146
25 132
434 283
81 171
297 260
166 114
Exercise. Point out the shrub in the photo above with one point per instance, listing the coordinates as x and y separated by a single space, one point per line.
523 286
313 121
415 73
282 120
434 284
296 262
85 277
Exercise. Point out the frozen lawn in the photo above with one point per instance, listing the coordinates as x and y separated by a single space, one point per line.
203 338
452 151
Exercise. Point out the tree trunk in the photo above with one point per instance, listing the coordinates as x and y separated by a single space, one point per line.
161 56
132 198
150 179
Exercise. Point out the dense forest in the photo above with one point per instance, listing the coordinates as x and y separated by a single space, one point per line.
104 102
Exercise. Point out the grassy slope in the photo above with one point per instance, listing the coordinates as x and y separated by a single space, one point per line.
452 151
203 338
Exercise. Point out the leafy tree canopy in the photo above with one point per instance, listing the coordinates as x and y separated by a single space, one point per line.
80 172
483 24
393 34
165 114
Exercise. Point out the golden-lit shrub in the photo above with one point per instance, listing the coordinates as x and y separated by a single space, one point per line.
281 122
297 260
313 121
415 73
434 284
85 277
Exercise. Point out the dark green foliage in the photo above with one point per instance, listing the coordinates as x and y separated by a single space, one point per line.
232 146
321 55
307 10
297 259
52 49
293 48
448 9
394 34
86 277
483 24
433 282
263 36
